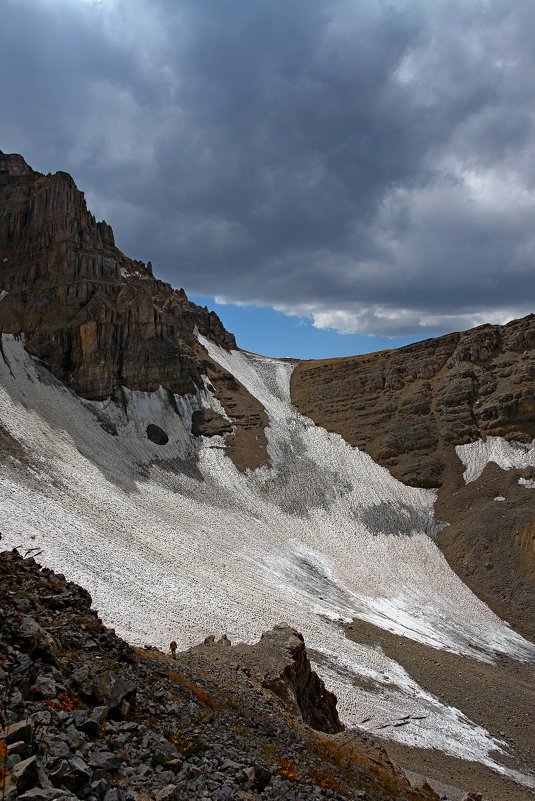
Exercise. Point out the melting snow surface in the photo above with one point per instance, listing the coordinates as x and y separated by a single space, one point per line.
174 543
476 455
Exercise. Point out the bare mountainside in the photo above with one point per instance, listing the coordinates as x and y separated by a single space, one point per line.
175 476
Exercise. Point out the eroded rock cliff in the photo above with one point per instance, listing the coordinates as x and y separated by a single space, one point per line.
97 318
407 407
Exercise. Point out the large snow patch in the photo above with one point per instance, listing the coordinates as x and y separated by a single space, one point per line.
476 455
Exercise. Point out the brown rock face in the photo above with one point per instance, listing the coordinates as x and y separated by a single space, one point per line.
248 442
407 407
279 661
489 543
97 318
207 423
288 674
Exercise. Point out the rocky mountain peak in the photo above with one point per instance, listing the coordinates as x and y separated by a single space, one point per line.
12 165
97 318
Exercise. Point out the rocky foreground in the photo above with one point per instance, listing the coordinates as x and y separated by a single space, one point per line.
85 715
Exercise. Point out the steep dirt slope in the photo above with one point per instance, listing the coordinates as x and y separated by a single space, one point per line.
409 408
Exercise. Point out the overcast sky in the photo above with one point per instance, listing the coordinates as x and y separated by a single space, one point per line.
369 164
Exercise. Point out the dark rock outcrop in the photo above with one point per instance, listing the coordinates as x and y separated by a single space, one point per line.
97 318
279 661
157 434
291 677
207 423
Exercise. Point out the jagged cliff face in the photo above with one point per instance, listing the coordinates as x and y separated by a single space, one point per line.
408 407
97 318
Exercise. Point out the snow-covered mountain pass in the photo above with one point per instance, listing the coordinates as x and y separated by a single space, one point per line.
174 543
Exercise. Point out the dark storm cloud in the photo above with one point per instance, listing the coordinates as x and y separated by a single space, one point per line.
368 163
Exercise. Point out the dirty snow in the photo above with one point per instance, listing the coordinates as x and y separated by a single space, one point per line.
174 543
476 455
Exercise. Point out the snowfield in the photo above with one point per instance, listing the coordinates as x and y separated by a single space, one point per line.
174 543
476 455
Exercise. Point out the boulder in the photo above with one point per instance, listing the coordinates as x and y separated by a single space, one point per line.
26 774
207 423
71 774
114 692
17 731
157 434
47 794
36 640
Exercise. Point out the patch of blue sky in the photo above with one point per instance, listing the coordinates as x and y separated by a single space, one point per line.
262 329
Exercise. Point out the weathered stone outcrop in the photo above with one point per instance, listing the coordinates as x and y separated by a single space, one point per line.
279 662
282 651
407 407
207 423
97 318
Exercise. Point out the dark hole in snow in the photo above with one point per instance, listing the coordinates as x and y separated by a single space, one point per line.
157 434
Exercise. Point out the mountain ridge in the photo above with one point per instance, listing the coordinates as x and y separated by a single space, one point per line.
81 302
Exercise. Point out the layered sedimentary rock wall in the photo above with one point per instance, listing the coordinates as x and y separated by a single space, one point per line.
407 407
97 318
